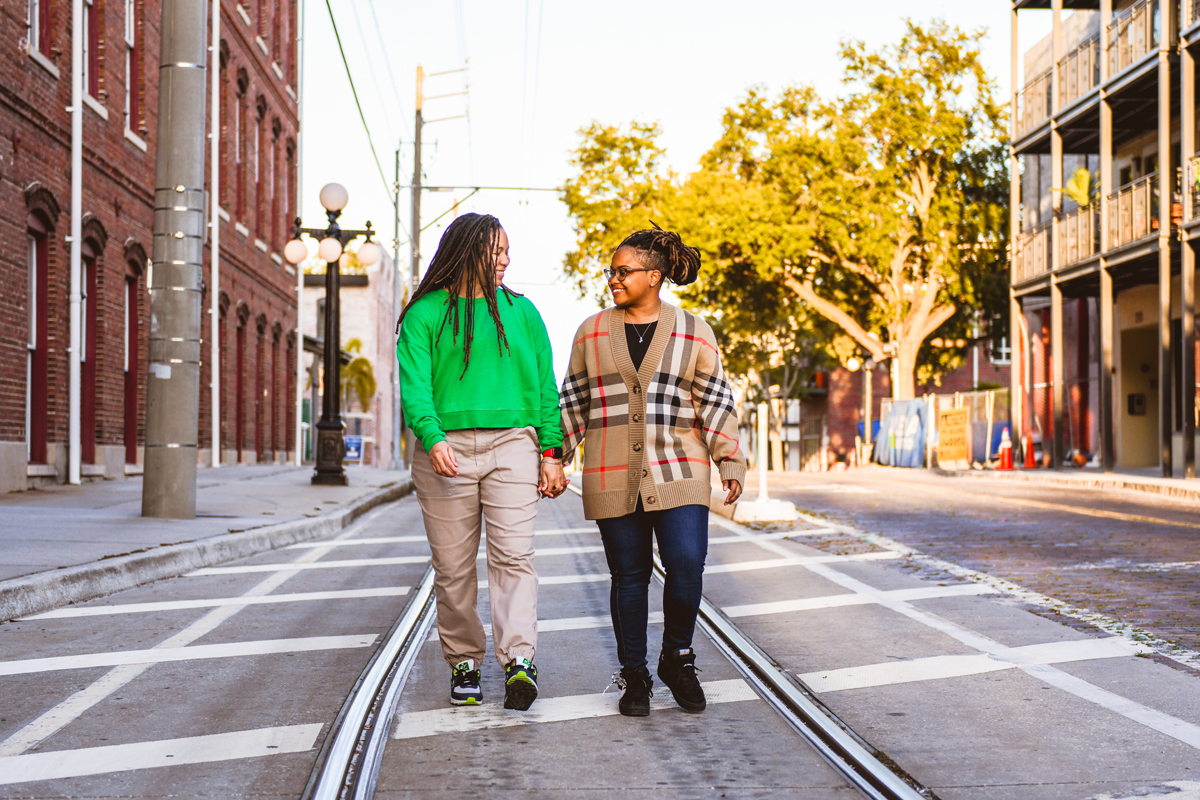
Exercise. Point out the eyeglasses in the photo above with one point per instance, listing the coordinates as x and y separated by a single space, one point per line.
621 273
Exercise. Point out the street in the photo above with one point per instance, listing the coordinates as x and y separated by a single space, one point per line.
915 631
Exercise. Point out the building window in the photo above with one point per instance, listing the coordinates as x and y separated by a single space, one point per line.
260 168
239 146
41 39
133 72
1001 352
91 48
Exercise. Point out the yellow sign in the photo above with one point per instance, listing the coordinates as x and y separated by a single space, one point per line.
954 442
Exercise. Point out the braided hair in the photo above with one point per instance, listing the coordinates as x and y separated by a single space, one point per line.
465 265
665 251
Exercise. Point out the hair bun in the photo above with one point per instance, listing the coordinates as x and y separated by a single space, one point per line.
665 251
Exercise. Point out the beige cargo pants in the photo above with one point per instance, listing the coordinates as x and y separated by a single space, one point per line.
497 485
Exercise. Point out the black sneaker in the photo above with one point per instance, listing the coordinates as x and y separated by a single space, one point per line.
638 684
520 684
464 684
677 669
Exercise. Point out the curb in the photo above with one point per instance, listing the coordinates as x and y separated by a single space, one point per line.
43 591
1183 492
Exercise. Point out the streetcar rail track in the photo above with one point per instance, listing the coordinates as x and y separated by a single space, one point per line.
859 763
348 763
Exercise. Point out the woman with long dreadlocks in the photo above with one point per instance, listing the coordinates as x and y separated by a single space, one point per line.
479 395
646 393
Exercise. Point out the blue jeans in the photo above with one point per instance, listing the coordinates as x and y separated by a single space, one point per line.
682 544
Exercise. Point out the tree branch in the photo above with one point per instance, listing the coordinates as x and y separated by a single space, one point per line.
836 315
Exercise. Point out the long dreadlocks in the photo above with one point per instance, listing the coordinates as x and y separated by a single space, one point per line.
465 266
665 251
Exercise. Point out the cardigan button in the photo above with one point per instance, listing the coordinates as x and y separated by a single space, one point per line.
637 447
652 500
645 472
637 390
637 417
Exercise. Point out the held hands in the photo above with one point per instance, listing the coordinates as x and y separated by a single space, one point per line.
552 481
441 458
735 491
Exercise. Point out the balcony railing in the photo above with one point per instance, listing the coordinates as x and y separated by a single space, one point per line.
1133 211
1033 107
1079 71
1033 253
1079 234
1191 12
1133 34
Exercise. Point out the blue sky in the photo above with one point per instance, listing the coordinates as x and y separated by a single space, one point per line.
675 62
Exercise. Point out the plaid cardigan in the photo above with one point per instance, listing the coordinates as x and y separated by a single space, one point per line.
649 432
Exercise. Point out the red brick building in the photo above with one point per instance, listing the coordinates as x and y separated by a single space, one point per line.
257 300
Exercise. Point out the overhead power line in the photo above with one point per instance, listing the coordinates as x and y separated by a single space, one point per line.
387 61
387 186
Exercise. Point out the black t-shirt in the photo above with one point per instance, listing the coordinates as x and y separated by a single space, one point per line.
638 337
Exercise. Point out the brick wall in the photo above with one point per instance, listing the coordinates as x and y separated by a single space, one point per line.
118 180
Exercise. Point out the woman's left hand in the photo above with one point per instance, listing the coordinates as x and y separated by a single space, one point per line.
552 480
735 491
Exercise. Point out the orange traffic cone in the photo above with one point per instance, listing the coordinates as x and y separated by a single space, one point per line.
1029 462
1005 451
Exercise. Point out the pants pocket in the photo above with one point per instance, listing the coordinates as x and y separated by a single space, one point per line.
517 457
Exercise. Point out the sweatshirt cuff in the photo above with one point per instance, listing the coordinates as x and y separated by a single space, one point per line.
431 439
731 470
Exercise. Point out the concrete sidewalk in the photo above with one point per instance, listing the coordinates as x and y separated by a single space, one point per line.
69 543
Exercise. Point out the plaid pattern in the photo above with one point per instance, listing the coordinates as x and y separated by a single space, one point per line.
651 432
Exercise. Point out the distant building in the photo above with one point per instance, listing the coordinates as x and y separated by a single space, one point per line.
366 315
257 198
1103 270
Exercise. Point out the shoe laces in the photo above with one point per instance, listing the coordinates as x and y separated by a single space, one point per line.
617 680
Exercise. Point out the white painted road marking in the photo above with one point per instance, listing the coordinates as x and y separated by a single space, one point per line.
551 709
288 567
568 624
165 753
957 666
200 651
856 599
353 542
1173 790
178 605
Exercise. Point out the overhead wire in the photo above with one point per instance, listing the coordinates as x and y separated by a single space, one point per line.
387 120
387 61
353 91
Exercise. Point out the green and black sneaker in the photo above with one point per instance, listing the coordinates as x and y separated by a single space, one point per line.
520 684
464 684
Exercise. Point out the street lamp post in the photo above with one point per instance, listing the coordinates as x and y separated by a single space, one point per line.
331 446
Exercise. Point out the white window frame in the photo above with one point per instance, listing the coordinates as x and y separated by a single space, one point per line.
1002 354
89 19
130 42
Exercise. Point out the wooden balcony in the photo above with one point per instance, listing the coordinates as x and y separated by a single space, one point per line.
1079 72
1193 179
1132 35
1032 256
1033 104
1079 235
1133 212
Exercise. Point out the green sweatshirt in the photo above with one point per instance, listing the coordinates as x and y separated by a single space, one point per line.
510 389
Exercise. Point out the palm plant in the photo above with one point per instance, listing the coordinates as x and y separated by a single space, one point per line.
1082 188
358 377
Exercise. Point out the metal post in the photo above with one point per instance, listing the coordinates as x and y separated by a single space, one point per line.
395 461
1107 439
1058 371
1166 173
1187 127
868 406
331 443
1017 399
298 458
74 346
172 392
763 412
214 226
415 232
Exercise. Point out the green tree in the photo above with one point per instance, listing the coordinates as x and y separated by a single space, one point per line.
358 377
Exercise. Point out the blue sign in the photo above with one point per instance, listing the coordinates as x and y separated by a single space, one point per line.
901 441
354 448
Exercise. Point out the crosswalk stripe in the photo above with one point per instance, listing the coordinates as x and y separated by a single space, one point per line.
193 652
363 541
344 564
179 605
164 753
956 666
568 624
857 599
550 709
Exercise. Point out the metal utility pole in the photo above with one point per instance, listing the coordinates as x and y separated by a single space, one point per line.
173 389
415 236
214 289
397 416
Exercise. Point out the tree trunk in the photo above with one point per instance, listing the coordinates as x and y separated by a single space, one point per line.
904 387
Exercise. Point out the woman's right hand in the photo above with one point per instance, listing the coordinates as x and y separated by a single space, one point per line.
441 458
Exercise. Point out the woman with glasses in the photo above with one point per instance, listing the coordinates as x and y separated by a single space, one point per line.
646 394
463 335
